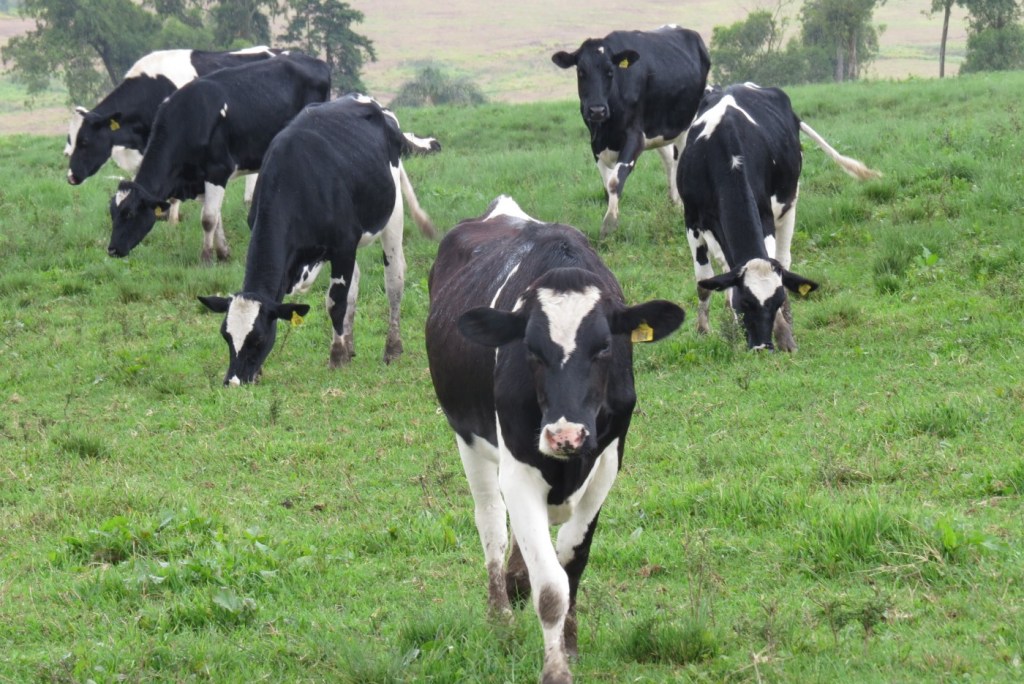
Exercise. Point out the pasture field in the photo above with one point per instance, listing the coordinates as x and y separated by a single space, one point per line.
848 513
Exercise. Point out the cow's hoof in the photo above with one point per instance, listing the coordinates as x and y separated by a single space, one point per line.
206 257
560 676
392 351
341 354
223 254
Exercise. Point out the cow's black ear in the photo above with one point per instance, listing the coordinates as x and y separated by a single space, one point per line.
216 304
720 282
797 283
626 58
565 59
648 322
285 312
491 327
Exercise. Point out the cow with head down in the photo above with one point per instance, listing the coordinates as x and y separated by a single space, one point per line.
530 345
739 177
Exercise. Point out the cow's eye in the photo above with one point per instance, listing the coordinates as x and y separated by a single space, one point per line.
581 73
604 352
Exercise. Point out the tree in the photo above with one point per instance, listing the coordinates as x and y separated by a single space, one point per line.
995 37
751 50
844 28
324 28
70 35
242 23
946 7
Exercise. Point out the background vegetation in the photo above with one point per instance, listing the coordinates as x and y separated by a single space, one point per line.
851 512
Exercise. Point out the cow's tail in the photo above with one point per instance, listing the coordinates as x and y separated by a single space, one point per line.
418 215
851 166
413 144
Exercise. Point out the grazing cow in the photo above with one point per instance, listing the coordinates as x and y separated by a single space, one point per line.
739 177
330 184
208 131
638 90
118 127
529 341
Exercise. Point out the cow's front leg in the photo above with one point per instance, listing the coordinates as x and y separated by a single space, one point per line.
213 225
480 462
525 493
615 169
394 276
576 534
783 328
517 576
669 162
341 307
702 270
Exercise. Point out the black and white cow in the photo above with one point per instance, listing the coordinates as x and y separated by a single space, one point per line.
208 131
329 184
118 126
638 90
529 341
739 177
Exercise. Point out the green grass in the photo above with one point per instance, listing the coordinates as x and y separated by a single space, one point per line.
851 512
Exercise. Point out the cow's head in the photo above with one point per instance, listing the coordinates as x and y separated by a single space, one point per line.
133 211
250 328
759 290
91 137
596 67
568 333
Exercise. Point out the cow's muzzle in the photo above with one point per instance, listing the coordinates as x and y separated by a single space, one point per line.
563 438
597 113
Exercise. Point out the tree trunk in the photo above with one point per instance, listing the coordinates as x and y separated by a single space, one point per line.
945 34
840 66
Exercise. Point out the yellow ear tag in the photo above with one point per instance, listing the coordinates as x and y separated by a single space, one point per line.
114 125
804 289
158 211
624 64
642 333
296 319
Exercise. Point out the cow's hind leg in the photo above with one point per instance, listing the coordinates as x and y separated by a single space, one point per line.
480 461
517 576
394 273
341 307
703 270
213 225
669 162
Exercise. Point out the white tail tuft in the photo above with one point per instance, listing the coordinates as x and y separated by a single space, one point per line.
851 166
418 215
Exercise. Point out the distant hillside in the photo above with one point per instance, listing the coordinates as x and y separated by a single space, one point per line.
506 48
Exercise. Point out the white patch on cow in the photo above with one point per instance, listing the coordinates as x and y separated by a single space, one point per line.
785 223
579 510
255 50
330 300
601 50
751 84
480 463
497 294
506 206
73 127
737 162
176 65
128 159
761 279
565 312
242 314
306 278
120 196
224 111
712 117
769 246
715 250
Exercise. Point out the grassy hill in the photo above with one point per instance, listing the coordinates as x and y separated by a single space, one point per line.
851 512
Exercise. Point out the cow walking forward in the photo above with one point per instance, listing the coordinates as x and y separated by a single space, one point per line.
739 178
207 132
638 90
333 181
529 343
119 125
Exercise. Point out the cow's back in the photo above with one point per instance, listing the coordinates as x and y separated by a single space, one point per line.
669 78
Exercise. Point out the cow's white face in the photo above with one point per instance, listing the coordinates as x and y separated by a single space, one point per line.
758 291
250 329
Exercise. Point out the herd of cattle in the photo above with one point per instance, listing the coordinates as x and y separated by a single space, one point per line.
529 338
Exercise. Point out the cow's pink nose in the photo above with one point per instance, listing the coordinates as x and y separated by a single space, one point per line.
565 438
